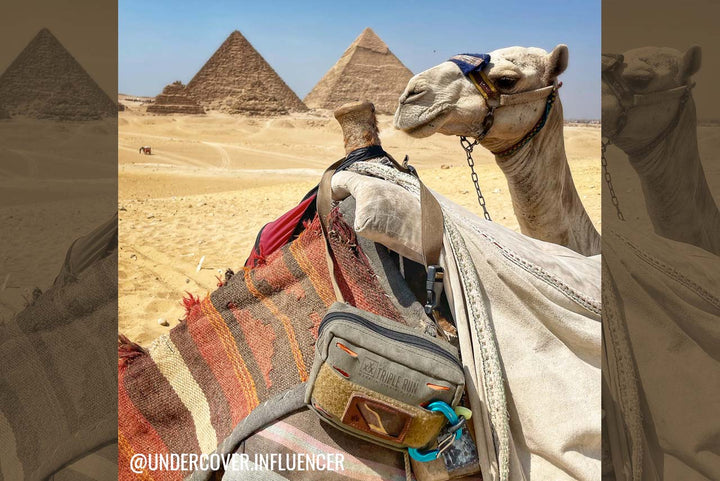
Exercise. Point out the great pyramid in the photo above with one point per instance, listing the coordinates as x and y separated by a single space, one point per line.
175 100
368 70
238 80
45 81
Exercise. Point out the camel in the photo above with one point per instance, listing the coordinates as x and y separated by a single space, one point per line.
651 117
444 100
652 280
255 336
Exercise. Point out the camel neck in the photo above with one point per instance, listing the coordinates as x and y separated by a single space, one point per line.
543 193
678 200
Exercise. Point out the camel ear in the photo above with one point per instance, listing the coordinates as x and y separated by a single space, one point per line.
691 61
557 62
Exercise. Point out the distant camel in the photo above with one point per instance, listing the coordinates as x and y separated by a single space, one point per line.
145 149
525 133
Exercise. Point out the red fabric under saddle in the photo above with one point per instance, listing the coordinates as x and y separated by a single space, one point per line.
282 230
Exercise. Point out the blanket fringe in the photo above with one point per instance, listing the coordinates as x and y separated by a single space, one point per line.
128 350
189 302
341 229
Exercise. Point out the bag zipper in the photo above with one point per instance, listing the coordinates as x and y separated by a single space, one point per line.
404 337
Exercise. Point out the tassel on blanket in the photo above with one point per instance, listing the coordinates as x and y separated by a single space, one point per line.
189 302
128 350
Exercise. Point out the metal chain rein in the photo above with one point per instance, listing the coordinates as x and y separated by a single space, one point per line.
608 180
468 148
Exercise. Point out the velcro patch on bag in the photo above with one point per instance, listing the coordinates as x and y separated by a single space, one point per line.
377 418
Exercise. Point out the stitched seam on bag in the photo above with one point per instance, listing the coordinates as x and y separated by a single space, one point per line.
671 272
588 303
406 348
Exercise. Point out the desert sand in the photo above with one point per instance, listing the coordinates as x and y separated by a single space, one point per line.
57 183
213 181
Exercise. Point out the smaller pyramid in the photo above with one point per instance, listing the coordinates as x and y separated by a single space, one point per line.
368 70
175 100
45 81
238 80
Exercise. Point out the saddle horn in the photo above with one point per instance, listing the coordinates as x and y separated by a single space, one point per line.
359 125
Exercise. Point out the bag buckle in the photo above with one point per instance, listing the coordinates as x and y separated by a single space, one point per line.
433 287
452 433
449 438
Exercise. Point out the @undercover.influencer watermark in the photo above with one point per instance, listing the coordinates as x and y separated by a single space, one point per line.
237 462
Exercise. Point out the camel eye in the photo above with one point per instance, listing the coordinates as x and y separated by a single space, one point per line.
506 83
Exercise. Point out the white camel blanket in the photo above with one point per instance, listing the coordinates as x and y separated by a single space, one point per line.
528 320
662 330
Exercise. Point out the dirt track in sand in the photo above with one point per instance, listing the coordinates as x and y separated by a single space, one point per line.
214 180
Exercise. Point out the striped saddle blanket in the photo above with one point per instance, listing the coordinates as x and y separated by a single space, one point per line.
249 340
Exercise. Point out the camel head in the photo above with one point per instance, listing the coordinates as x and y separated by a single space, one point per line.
442 99
642 92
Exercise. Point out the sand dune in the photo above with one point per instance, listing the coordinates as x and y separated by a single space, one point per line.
213 181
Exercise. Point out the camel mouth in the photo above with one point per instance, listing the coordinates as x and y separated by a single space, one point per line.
418 121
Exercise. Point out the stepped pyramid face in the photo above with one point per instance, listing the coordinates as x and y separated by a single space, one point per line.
45 81
237 79
368 70
175 100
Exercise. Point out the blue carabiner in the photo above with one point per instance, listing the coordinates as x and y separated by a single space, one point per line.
452 417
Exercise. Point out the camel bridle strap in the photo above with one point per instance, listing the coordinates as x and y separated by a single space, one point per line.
472 66
629 100
483 84
495 100
469 146
536 128
684 93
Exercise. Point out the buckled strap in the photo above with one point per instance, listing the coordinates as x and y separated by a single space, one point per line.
483 84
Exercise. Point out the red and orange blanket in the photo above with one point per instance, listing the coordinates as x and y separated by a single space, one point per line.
249 340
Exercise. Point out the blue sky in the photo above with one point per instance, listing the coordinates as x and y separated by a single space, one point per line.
161 41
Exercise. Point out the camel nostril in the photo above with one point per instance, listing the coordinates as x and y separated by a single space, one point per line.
415 89
412 95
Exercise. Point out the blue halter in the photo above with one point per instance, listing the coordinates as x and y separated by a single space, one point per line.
469 62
